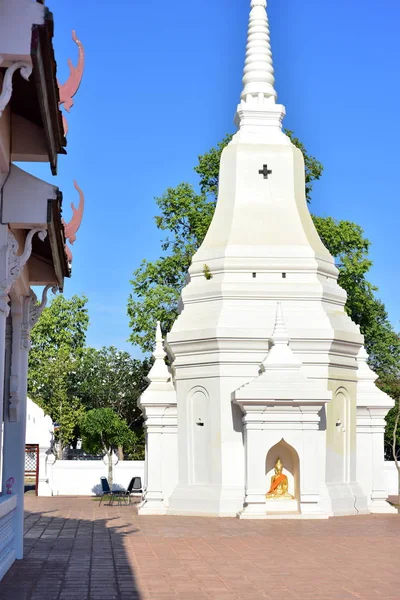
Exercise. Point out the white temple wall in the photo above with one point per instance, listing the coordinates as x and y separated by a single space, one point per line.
391 478
82 477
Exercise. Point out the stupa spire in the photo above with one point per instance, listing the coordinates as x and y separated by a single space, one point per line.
258 78
258 115
159 372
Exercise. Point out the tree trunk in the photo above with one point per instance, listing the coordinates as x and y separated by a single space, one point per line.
110 468
394 450
60 450
120 453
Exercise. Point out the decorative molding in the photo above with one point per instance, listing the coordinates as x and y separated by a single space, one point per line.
13 402
11 264
16 263
4 300
72 227
31 313
71 86
6 93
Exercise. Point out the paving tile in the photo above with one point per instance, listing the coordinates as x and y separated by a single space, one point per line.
76 550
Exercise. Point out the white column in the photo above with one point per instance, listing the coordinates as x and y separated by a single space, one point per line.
25 312
379 493
45 480
4 312
254 504
365 452
371 457
153 499
4 309
15 424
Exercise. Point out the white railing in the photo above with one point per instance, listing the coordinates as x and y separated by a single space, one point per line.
7 532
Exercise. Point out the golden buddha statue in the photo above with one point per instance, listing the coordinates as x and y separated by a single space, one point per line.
279 483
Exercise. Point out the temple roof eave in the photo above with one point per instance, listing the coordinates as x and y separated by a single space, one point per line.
37 99
29 203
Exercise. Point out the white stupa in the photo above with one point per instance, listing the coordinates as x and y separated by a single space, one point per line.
266 363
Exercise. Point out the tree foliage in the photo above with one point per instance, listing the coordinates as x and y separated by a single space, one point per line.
57 341
104 431
63 323
110 378
185 215
68 379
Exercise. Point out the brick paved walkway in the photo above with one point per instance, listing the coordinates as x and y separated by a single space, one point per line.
78 551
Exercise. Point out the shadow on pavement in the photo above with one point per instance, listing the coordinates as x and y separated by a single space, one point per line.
69 558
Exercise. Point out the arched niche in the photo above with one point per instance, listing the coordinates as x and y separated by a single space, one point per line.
341 429
291 466
199 428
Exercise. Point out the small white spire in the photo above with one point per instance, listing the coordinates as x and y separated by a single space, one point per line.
258 79
159 371
365 373
159 348
258 117
281 355
280 334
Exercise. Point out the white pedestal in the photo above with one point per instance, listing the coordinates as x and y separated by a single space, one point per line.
380 507
152 504
282 506
270 508
149 507
278 509
206 500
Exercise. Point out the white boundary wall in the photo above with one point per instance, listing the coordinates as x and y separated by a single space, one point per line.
82 477
391 477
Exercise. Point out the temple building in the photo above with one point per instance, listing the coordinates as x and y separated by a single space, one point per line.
269 409
33 235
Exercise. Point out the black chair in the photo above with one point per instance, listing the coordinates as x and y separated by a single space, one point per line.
134 488
107 491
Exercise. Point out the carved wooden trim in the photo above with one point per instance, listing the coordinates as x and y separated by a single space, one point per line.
6 92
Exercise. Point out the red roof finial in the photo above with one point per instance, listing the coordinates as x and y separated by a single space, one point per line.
71 86
72 227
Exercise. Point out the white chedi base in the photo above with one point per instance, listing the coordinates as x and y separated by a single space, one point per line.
152 508
382 507
278 509
282 506
206 500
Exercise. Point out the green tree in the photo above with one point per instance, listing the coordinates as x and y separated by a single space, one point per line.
104 431
110 378
185 215
346 242
58 340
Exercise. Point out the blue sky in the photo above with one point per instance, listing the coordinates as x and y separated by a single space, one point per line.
161 84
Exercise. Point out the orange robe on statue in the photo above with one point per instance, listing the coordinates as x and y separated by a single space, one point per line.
278 480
